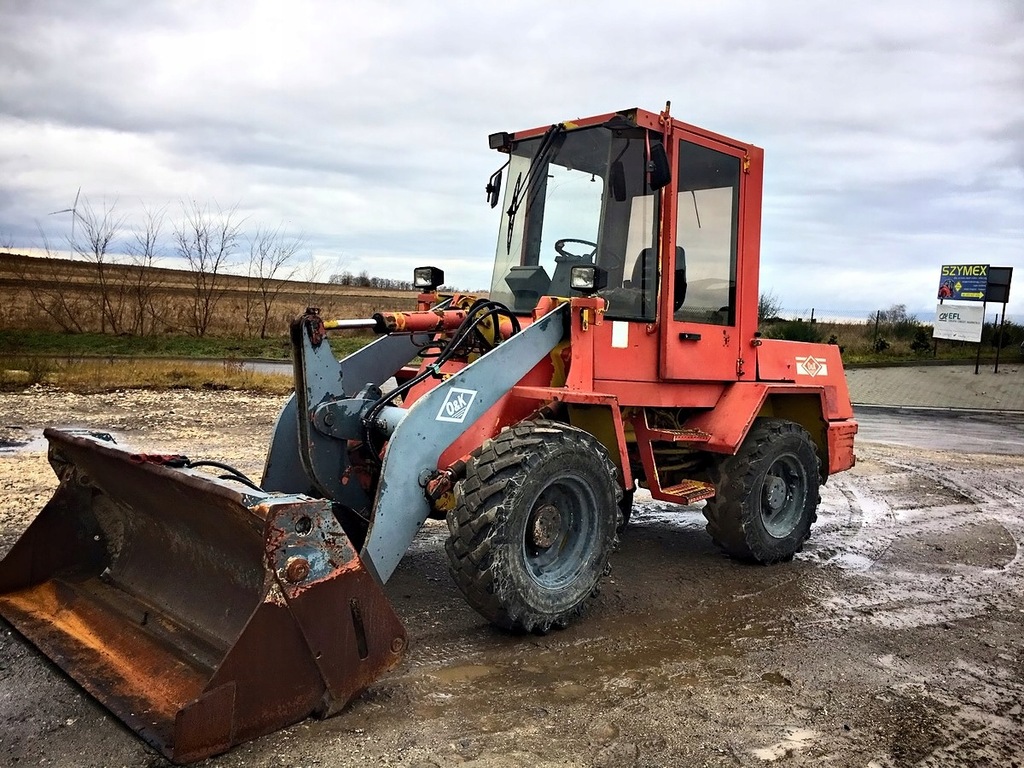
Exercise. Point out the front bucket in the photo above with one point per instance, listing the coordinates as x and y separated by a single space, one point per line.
199 611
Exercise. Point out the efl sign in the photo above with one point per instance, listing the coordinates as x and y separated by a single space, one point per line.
963 282
961 323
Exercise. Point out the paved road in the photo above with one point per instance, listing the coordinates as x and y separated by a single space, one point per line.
943 430
940 386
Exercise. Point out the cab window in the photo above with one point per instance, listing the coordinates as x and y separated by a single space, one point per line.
588 204
707 226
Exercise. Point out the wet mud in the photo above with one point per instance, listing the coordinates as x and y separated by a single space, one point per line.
896 638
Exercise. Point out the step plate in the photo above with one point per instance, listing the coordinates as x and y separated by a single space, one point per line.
688 492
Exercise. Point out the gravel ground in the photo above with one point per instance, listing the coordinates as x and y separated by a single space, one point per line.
895 639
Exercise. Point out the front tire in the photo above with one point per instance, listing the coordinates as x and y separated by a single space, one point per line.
625 511
534 525
767 495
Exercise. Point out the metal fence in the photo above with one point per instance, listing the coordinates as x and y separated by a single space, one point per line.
993 314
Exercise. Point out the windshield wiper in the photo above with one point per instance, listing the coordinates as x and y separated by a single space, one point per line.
524 185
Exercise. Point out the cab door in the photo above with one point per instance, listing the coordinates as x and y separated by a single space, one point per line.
705 335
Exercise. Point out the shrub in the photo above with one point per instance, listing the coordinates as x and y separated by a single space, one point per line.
922 341
20 372
1010 334
834 341
794 330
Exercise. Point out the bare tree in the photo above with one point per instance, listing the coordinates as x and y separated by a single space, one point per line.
207 241
96 232
342 278
895 314
50 292
768 307
269 251
6 241
313 273
143 249
895 320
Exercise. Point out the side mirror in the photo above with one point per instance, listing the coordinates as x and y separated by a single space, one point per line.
617 181
493 187
657 167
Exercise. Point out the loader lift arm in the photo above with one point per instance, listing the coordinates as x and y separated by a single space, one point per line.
333 398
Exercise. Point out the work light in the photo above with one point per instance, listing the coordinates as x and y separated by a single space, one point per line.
427 278
587 278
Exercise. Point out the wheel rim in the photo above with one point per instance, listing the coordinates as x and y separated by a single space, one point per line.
561 532
783 495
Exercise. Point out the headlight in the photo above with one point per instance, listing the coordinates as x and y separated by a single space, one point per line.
427 278
587 278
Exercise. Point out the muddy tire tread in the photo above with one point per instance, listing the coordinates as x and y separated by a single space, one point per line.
730 521
478 521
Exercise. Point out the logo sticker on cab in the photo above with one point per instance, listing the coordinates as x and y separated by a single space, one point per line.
812 366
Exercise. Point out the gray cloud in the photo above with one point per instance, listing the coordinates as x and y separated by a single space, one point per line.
894 134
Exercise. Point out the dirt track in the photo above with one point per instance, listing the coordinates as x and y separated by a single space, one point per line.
895 639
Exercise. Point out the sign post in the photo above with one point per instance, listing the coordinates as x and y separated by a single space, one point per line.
977 356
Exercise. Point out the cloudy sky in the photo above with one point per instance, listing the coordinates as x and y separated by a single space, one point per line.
893 130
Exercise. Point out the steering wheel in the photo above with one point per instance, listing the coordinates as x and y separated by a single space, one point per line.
567 256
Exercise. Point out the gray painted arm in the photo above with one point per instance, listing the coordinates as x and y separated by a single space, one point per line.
433 423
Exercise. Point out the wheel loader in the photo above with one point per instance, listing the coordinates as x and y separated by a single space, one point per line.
617 348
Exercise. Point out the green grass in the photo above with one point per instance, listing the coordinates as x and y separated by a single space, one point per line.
94 362
860 344
87 362
104 375
57 344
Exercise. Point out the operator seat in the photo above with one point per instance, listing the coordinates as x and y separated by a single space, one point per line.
645 274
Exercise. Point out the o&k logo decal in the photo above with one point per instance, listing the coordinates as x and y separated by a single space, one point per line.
812 366
456 404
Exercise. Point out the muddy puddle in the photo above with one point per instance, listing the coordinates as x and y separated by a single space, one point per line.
15 439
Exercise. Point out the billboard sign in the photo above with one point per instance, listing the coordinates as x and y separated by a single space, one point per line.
999 279
963 282
962 323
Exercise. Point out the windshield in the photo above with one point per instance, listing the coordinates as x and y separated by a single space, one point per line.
588 203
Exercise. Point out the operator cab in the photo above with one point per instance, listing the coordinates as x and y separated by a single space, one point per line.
592 196
579 197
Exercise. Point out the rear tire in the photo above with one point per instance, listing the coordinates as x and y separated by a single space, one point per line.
534 525
767 495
